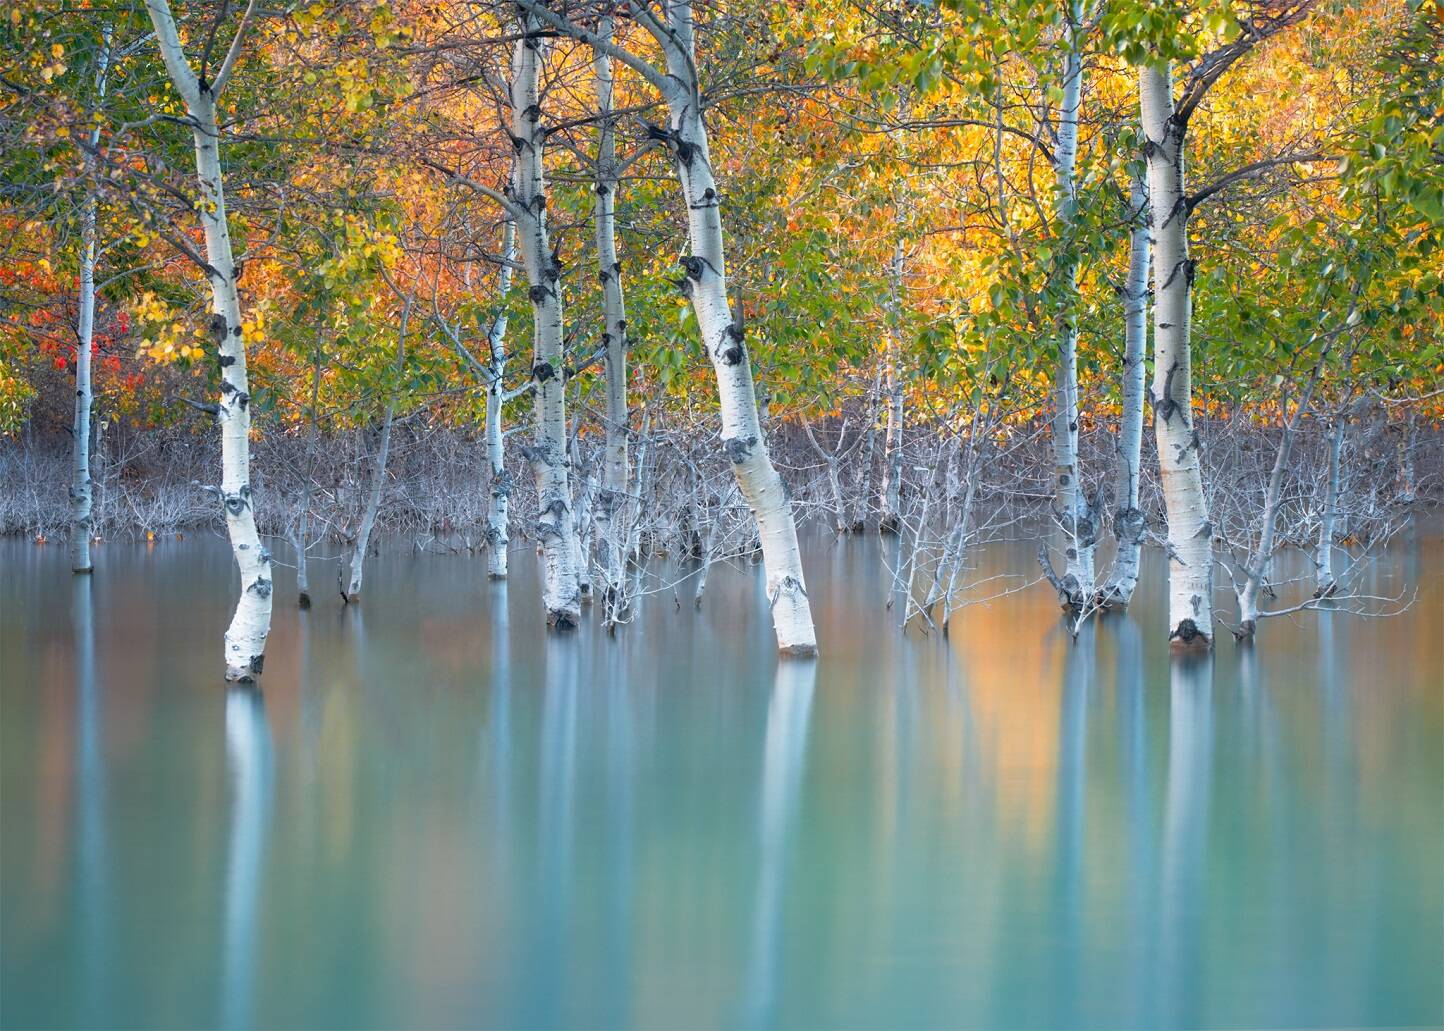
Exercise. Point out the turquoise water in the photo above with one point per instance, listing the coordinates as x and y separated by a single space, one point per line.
435 816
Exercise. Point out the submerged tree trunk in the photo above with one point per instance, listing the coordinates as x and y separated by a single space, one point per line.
561 593
869 447
831 461
1408 481
1129 524
351 590
1262 557
81 521
611 559
1190 552
582 518
1325 584
246 636
891 519
722 336
1074 512
301 542
499 502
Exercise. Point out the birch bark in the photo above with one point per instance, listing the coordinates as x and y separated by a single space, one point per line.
301 543
561 593
613 495
245 642
891 520
352 591
1128 521
499 502
1190 551
705 282
1325 584
1262 557
81 521
1075 514
722 335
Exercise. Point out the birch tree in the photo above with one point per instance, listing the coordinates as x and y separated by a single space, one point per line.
1165 130
612 499
1072 507
1129 524
499 490
1190 534
561 593
350 574
245 642
81 524
705 283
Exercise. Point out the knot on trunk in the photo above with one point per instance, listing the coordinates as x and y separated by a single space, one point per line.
787 585
560 619
1129 524
693 266
538 294
260 587
1187 632
238 501
738 449
542 371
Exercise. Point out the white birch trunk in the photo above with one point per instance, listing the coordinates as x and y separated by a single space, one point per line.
611 560
1408 481
891 519
352 590
1262 557
560 592
301 541
869 447
245 644
722 336
1190 558
1325 584
831 461
81 521
1074 513
1128 521
582 520
499 503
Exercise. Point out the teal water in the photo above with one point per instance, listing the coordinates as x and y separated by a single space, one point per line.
435 816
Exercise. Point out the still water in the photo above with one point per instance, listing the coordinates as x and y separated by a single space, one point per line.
435 816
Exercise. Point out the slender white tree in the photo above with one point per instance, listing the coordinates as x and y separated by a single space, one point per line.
1073 510
81 522
1129 524
1325 582
892 467
705 282
612 499
351 573
1165 132
561 592
499 502
246 637
1190 534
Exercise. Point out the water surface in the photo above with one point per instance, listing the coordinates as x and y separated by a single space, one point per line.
437 816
